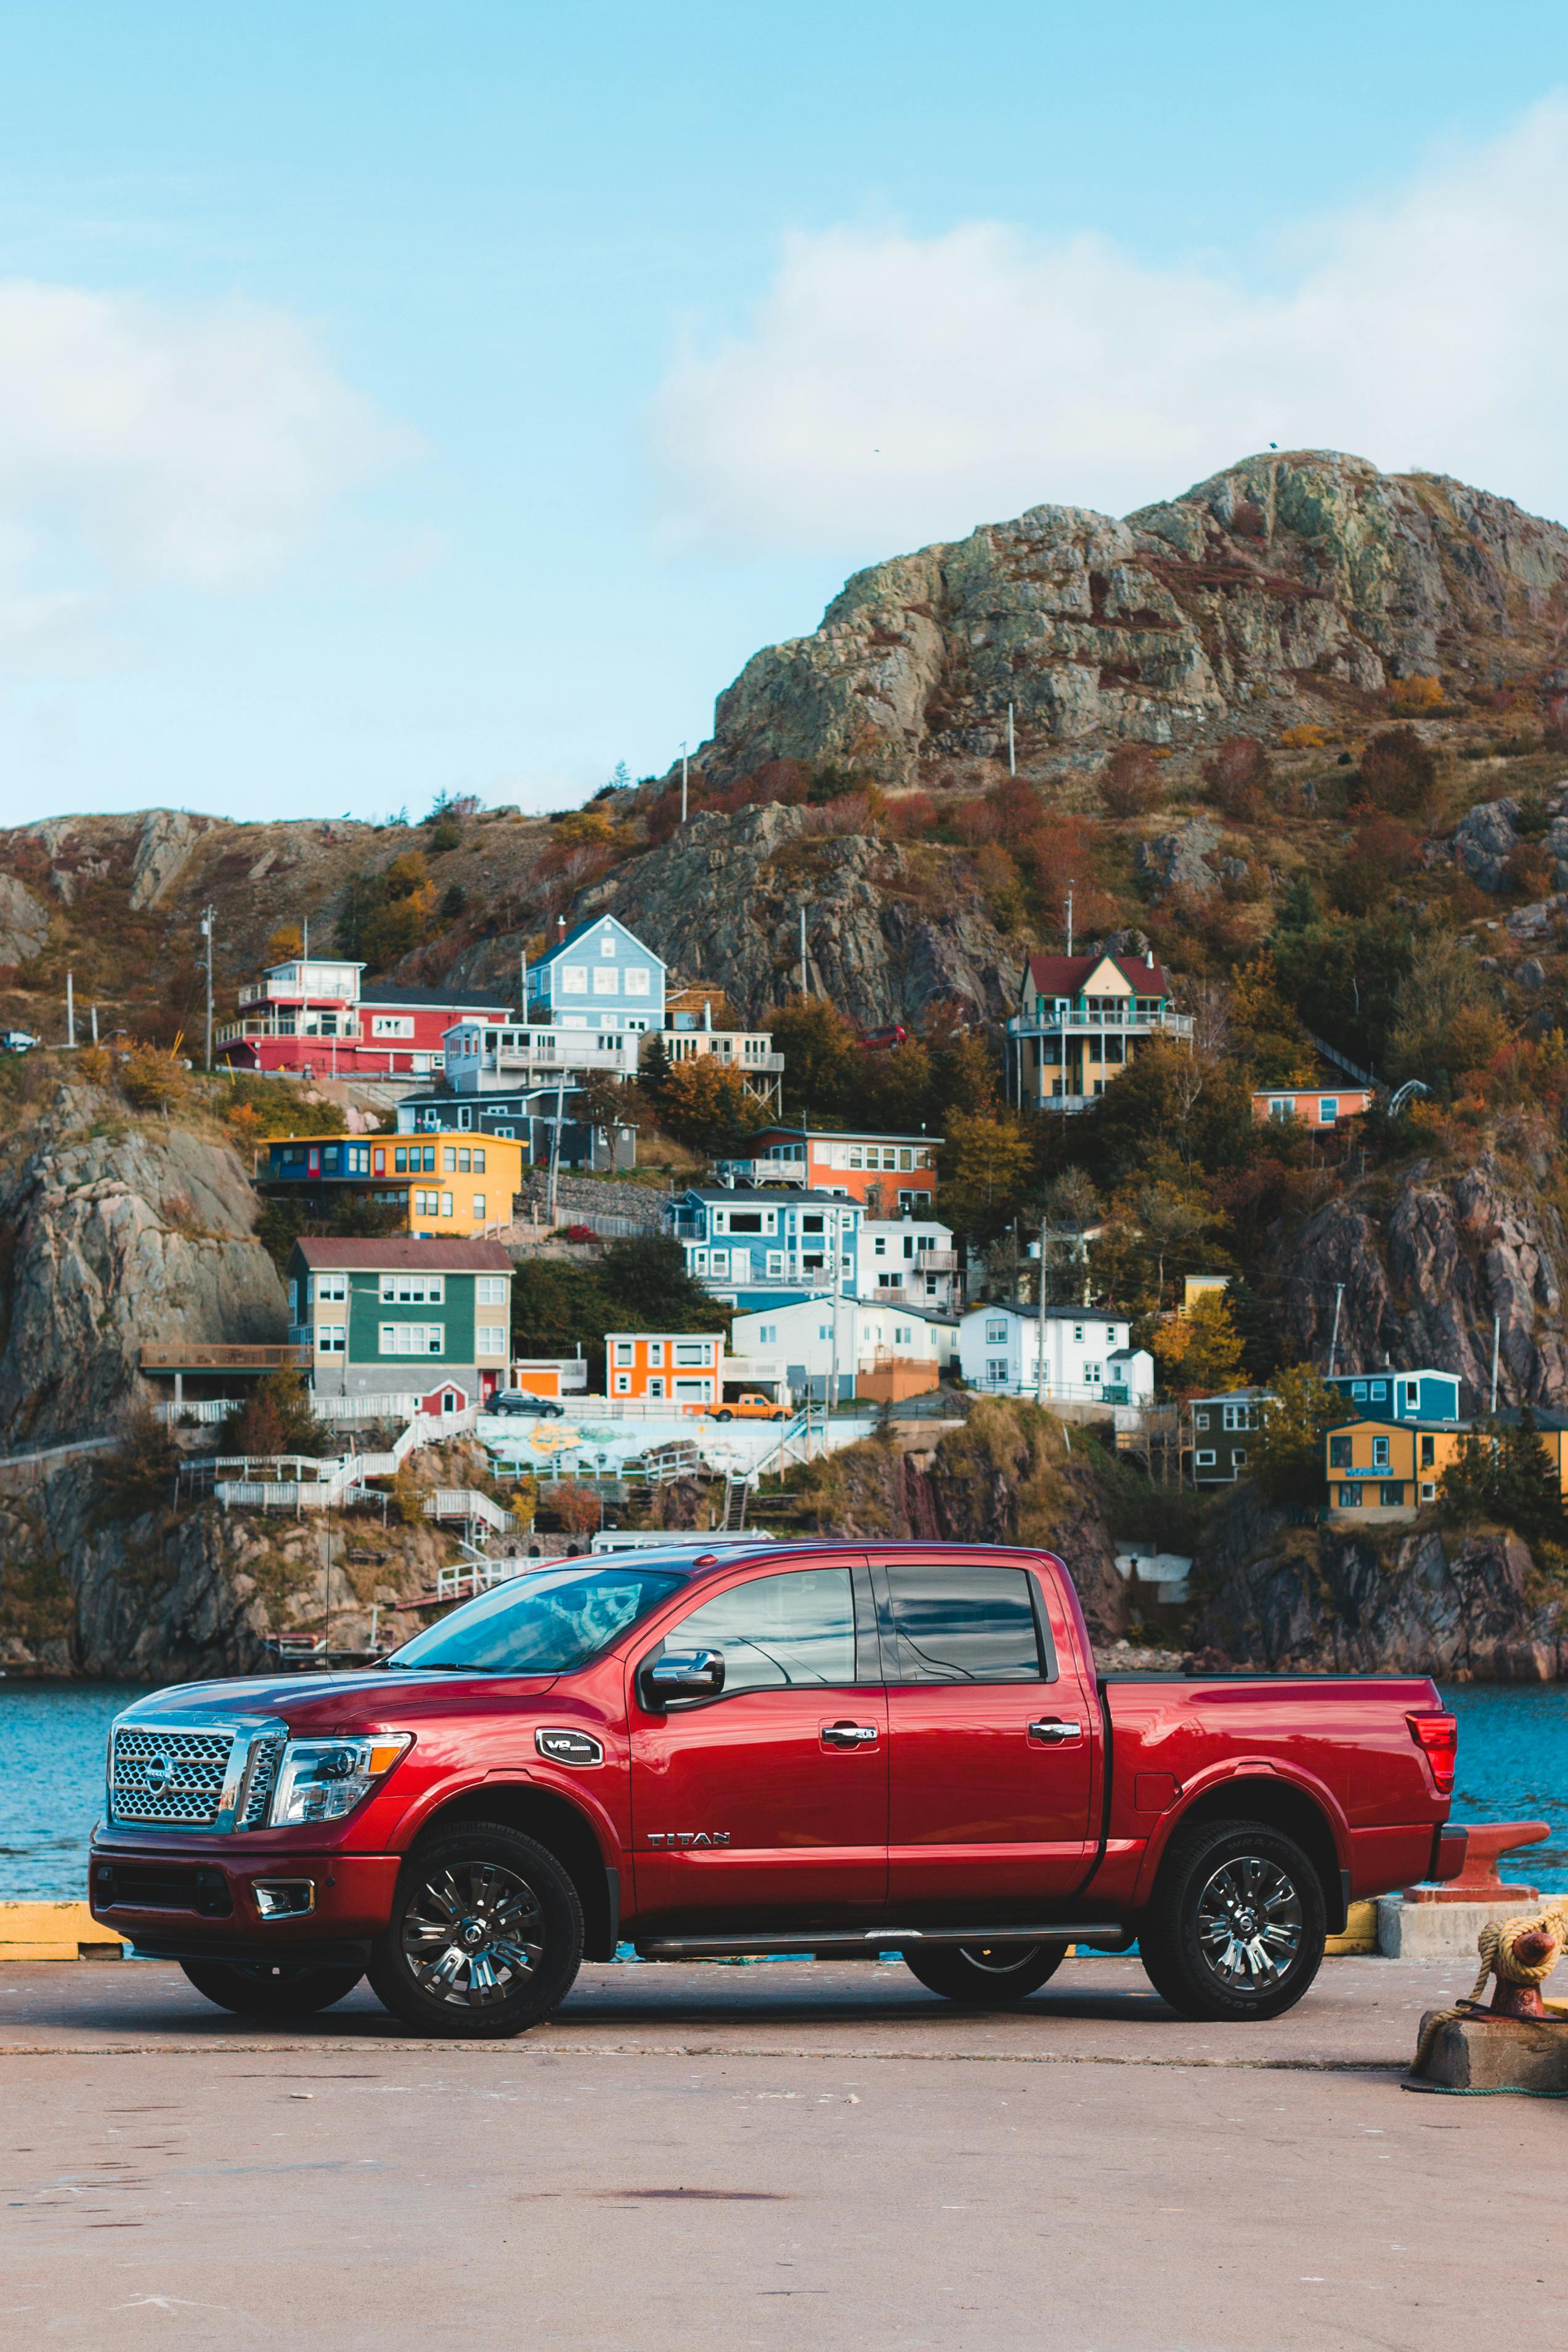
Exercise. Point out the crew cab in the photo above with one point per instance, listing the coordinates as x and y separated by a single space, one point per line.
844 1749
752 1404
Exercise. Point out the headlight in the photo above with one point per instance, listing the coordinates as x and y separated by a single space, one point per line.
322 1779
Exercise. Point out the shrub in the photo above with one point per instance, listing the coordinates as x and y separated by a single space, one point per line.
1129 783
1303 738
153 1079
1237 775
276 1418
578 1510
1288 1458
1417 694
1398 773
1502 1473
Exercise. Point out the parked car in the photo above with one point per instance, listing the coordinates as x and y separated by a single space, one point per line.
524 1401
824 1748
17 1041
750 1406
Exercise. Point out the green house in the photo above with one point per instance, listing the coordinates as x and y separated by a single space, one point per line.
400 1318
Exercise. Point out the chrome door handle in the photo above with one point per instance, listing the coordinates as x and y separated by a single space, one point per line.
848 1735
1051 1731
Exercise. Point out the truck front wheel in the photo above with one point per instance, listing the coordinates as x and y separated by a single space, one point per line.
485 1938
270 1989
986 1976
1237 1926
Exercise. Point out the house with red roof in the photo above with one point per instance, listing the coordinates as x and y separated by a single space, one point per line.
1081 1020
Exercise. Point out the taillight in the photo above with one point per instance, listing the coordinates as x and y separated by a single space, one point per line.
1438 1736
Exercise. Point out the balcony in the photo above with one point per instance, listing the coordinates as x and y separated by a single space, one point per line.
224 1356
718 1046
1115 1025
286 1024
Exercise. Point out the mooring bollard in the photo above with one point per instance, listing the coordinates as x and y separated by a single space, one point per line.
1518 2042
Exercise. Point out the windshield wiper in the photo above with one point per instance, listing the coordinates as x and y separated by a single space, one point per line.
439 1666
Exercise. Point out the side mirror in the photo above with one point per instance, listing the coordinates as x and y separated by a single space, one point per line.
681 1675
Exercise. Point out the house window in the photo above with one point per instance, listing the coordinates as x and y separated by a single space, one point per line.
702 1391
776 1262
996 1334
1237 1457
1339 1453
492 1340
449 1160
1236 1416
1328 1111
1391 1495
386 1024
1379 1391
625 1351
1092 1376
446 1203
490 1290
1078 1335
329 1286
607 943
1428 1491
1282 1107
1428 1454
655 1352
606 983
1203 1461
1380 1453
1350 1499
767 1333
902 1335
622 1383
635 981
996 1368
331 1339
1412 1396
574 980
480 1159
412 1339
656 1386
692 1351
1358 1391
479 1206
413 1289
718 1261
1201 1420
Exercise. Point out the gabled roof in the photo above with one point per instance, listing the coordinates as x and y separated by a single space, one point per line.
1393 1372
1052 1313
1060 975
835 1135
1373 1421
596 923
455 999
771 1196
401 1253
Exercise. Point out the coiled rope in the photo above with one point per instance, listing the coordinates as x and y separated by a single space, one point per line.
1498 1945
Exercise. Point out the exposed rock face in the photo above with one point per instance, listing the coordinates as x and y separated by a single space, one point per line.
24 921
1484 841
121 1238
1424 1605
1423 1284
722 902
1184 860
168 837
1259 595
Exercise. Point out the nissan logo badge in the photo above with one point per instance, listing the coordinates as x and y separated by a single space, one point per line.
159 1772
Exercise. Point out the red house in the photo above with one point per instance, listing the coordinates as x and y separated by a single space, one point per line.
308 1018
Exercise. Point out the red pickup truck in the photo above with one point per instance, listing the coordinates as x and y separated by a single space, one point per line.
838 1749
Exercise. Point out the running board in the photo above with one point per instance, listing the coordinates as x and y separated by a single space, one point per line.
844 1943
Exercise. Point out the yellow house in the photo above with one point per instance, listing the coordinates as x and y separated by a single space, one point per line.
436 1185
1380 1471
1081 1020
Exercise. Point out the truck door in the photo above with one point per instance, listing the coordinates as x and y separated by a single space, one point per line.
771 1797
991 1740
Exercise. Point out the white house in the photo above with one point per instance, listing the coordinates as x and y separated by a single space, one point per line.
907 1262
1088 1356
824 1340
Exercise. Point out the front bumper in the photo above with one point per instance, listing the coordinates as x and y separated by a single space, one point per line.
201 1903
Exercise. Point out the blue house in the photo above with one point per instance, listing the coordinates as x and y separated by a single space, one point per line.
753 1250
1419 1395
599 976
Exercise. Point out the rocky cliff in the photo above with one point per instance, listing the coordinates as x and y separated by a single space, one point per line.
1306 1600
1279 592
1424 1264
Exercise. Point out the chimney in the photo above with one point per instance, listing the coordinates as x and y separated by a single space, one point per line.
707 1013
559 929
1149 958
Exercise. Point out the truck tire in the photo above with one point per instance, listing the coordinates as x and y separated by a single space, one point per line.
270 1987
1237 1926
985 1976
485 1938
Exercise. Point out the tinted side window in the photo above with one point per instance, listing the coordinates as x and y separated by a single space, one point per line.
778 1632
955 1622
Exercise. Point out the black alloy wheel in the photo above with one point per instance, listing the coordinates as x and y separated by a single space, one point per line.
485 1938
985 1976
1237 1927
271 1988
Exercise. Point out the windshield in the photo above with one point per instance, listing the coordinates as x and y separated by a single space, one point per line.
548 1621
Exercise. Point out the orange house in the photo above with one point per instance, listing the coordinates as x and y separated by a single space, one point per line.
1316 1106
892 1175
666 1367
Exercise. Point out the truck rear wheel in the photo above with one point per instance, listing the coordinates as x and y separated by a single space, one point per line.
986 1976
485 1938
270 1987
1236 1929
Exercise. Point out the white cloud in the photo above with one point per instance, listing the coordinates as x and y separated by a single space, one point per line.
892 390
140 444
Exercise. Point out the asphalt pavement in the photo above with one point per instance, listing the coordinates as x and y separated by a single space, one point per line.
775 2156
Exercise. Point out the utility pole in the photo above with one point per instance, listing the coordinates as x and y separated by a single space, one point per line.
554 1146
522 983
1013 756
1333 1336
803 952
304 938
685 764
95 1024
1039 1329
1071 886
70 1011
209 916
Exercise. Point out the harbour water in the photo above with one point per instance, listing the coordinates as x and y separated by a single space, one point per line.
1513 1766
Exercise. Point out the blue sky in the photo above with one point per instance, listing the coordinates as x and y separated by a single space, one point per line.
395 399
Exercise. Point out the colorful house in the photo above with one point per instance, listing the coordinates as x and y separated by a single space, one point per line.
675 1367
889 1174
599 976
1089 1358
441 1184
1388 1395
1081 1020
401 1319
848 1347
767 1248
1314 1106
1386 1470
312 1017
1225 1430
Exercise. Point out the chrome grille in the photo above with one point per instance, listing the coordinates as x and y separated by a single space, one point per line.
267 1754
169 1776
